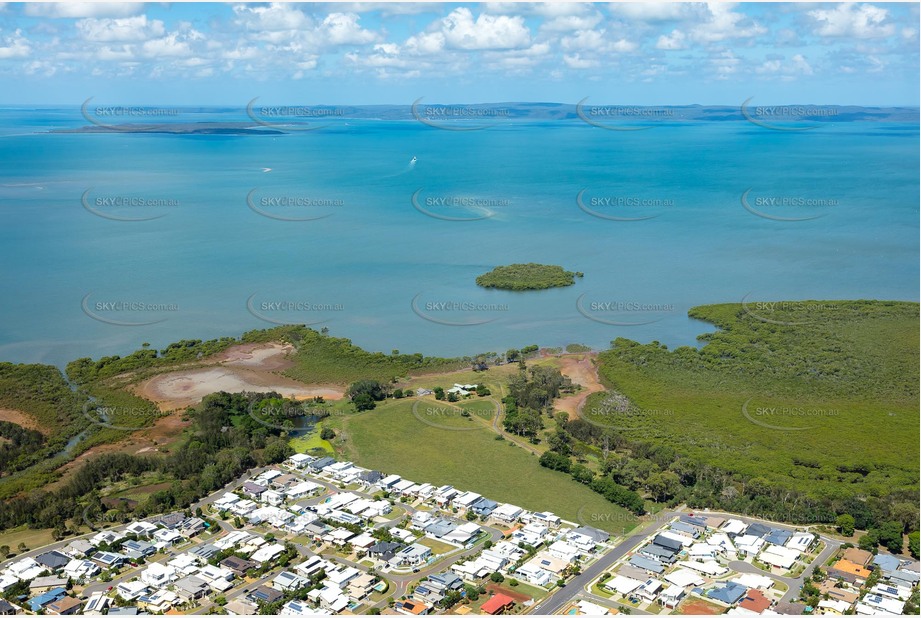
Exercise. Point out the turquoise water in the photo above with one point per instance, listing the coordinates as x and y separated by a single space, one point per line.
376 267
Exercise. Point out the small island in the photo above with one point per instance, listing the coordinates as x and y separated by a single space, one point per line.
527 277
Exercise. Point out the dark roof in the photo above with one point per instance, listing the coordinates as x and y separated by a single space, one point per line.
659 552
759 530
204 551
321 463
52 559
266 594
371 476
253 488
385 549
171 520
693 520
664 541
778 536
790 609
240 565
683 526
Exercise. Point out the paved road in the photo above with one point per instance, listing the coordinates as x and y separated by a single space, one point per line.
563 596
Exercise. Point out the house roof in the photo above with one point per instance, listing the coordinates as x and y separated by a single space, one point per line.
887 562
264 593
647 564
857 556
599 536
728 593
846 566
52 559
755 601
790 609
63 604
668 542
496 603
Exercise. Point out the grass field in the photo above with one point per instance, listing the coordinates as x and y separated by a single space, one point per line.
824 403
393 439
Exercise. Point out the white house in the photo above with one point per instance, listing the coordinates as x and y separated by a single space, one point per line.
564 551
159 575
533 574
267 553
780 557
81 570
131 590
622 585
507 512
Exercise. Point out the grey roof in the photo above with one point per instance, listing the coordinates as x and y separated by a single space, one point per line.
124 611
647 564
204 551
790 609
693 520
484 505
171 520
886 562
600 536
440 527
686 527
253 488
667 542
907 577
659 552
192 584
371 476
266 594
447 579
629 570
728 593
759 530
321 463
778 536
52 559
385 549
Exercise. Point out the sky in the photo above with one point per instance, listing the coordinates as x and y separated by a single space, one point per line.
395 53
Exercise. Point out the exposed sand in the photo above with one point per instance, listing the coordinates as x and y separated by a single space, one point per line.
580 368
22 419
247 367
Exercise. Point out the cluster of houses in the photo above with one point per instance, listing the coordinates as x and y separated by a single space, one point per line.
847 576
691 553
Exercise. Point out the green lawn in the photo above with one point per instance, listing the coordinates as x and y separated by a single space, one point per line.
392 439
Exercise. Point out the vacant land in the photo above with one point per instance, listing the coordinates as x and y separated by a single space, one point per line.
393 439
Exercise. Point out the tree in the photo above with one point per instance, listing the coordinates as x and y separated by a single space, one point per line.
913 542
890 535
398 393
482 390
452 397
869 541
4 551
363 402
439 393
845 524
327 434
372 388
497 577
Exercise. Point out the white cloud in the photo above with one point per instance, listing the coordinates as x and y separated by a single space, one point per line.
14 46
724 63
120 29
461 31
848 20
722 23
272 18
675 40
596 41
576 61
424 44
778 65
343 28
568 23
652 11
82 9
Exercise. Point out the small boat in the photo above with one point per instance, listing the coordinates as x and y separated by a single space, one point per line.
413 161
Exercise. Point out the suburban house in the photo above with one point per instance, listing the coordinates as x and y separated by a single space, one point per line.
498 604
848 571
65 606
53 560
411 555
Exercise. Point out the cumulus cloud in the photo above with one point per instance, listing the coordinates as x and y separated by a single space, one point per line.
137 28
461 31
673 41
82 9
863 21
721 22
14 46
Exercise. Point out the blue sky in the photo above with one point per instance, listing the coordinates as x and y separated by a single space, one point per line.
372 53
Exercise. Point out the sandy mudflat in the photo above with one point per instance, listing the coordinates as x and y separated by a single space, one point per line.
22 419
247 367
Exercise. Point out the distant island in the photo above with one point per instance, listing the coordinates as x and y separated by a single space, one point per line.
178 128
529 276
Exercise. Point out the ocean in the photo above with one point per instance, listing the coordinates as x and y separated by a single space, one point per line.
345 231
